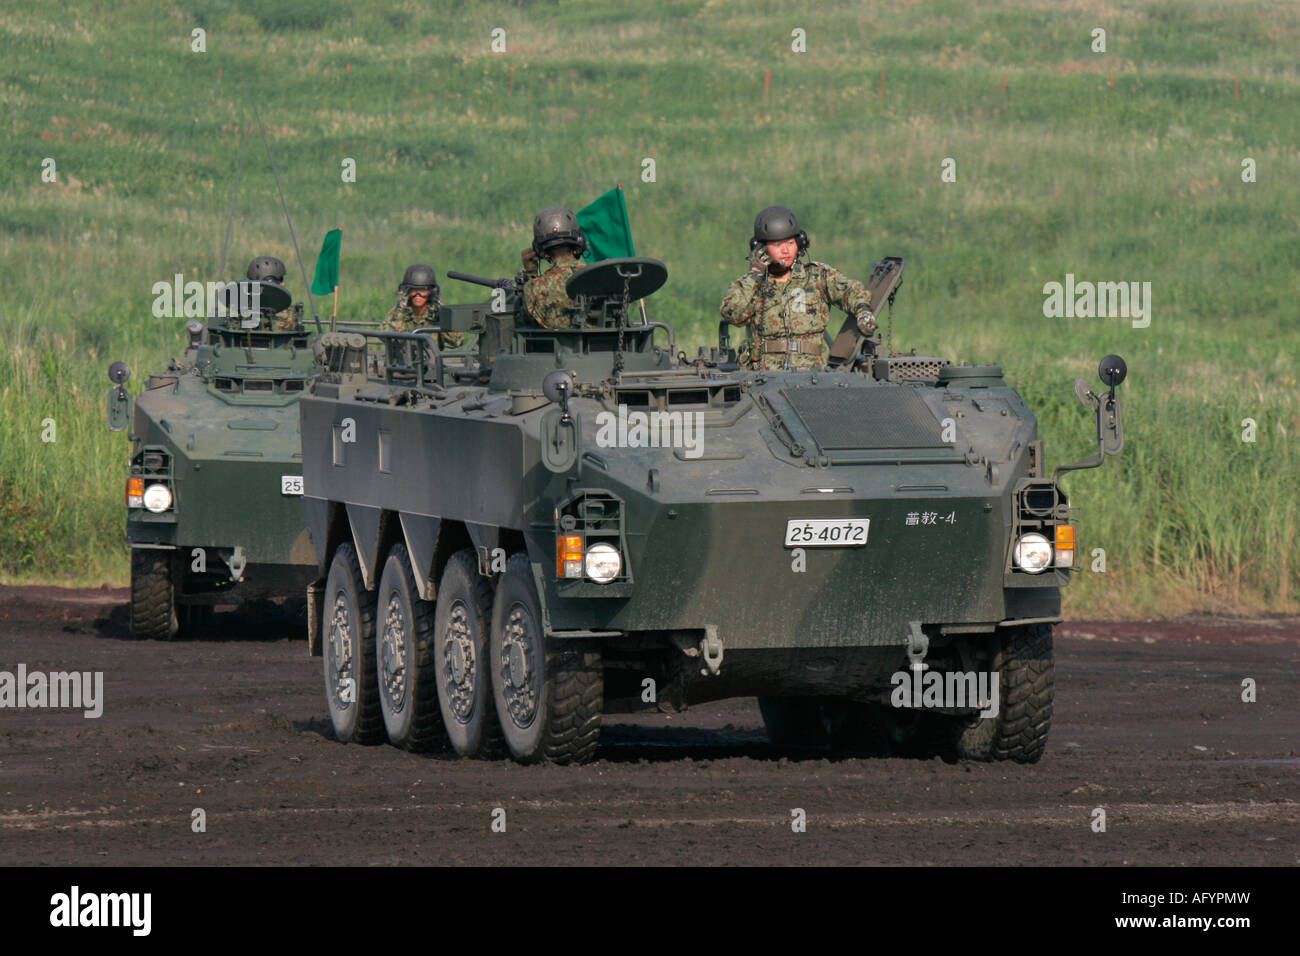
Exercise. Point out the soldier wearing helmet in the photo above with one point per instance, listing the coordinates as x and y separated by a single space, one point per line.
271 269
556 237
786 302
418 304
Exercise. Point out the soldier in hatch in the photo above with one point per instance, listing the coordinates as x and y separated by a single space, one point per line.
556 237
271 269
786 302
418 304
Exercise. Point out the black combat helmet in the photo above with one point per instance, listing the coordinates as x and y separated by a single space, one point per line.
266 267
556 226
776 223
419 276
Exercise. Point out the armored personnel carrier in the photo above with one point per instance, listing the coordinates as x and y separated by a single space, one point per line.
213 502
585 520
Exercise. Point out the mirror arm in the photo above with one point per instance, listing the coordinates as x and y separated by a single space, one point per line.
1104 405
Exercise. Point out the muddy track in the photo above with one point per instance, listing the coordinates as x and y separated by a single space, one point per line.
1149 726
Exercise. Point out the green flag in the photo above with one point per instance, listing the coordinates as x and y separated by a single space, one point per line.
327 264
604 223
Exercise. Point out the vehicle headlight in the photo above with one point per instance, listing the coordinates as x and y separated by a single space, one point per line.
157 498
1033 553
603 563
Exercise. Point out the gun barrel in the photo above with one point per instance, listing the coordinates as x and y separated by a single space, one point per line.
477 280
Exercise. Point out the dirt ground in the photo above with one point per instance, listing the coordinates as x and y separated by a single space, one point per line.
1149 726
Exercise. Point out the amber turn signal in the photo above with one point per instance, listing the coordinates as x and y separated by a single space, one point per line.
568 556
135 492
1064 546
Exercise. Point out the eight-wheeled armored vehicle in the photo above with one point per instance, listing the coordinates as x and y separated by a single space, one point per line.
584 520
213 493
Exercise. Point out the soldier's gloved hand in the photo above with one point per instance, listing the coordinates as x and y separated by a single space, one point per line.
529 258
759 260
866 323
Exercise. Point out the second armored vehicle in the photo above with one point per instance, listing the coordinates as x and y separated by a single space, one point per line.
213 502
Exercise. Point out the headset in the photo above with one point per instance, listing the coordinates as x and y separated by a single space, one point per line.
580 241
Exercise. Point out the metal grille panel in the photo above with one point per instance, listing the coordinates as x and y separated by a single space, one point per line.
849 418
903 368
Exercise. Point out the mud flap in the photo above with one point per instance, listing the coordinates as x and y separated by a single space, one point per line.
315 611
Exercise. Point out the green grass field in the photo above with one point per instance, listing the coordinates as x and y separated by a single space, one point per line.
457 146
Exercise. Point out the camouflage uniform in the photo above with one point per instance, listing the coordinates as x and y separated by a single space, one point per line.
402 318
778 325
545 298
285 320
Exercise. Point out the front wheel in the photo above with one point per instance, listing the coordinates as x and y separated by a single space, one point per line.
548 692
153 595
1026 675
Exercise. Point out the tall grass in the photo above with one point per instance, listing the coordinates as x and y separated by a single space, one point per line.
61 515
456 147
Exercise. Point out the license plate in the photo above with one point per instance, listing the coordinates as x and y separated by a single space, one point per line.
291 484
823 532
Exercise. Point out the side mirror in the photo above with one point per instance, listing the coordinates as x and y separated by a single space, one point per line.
559 444
1113 370
119 399
557 387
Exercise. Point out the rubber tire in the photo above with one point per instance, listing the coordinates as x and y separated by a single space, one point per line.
413 723
462 589
1023 658
359 721
568 685
153 595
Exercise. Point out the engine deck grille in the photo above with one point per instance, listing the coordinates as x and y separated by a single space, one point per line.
865 418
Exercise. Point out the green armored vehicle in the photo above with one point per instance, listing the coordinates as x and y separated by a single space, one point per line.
213 502
582 521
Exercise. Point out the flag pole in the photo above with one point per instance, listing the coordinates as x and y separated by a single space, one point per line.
335 317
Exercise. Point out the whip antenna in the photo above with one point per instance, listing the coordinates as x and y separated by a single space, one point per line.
285 206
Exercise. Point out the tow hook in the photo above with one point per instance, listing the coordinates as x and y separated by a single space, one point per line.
237 562
711 650
918 645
